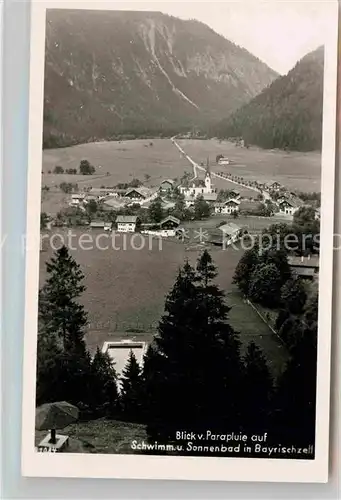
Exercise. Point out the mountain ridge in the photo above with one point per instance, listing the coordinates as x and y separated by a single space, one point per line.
125 72
285 115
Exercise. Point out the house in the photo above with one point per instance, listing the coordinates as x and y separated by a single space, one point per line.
189 201
170 222
138 194
126 223
304 267
223 161
274 186
106 226
227 207
210 197
90 197
169 226
231 232
167 185
288 206
102 192
77 199
225 235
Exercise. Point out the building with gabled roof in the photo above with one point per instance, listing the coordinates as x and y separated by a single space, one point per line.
140 193
170 222
167 185
126 223
304 267
227 207
289 205
225 235
106 226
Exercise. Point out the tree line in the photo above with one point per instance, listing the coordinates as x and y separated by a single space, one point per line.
195 374
264 276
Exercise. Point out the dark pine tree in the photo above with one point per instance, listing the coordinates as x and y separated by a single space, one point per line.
49 368
63 363
295 399
59 312
132 394
193 371
258 389
104 393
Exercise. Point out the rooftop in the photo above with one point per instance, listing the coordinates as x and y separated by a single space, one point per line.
98 224
126 219
229 228
170 218
310 261
210 196
293 202
143 191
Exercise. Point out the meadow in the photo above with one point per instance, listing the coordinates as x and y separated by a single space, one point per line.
126 289
295 170
151 161
117 161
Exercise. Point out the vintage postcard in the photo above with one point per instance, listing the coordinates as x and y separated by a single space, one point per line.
179 240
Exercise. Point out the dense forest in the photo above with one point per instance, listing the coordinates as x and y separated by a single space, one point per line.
287 114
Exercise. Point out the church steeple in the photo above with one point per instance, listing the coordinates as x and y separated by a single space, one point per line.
208 182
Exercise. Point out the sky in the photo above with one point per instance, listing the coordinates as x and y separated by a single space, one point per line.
277 32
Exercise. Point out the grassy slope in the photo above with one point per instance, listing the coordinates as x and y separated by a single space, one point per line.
296 170
100 436
126 289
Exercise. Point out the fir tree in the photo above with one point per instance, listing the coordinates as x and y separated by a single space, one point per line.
192 372
59 312
132 390
63 363
104 392
257 387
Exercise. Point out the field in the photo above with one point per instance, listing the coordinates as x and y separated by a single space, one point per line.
122 161
126 288
116 162
299 171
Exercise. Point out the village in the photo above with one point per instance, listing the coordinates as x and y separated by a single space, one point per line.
166 210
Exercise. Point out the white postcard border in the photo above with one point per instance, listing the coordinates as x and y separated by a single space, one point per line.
154 467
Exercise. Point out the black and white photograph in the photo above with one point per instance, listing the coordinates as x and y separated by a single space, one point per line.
180 238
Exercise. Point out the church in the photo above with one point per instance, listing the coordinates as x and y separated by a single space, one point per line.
198 187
